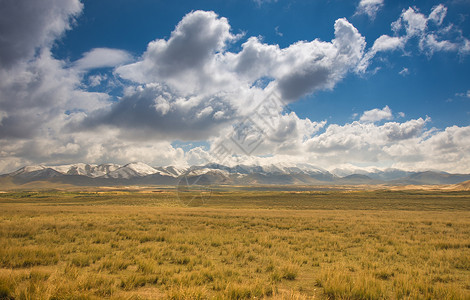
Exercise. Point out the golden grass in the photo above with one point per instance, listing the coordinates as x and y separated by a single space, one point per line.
282 245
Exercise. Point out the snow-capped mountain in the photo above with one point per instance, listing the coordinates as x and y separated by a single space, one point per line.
86 169
27 169
138 173
171 171
374 173
136 169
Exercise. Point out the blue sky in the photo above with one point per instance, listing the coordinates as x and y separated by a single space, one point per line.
366 84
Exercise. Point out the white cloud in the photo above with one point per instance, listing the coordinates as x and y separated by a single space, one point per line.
261 2
404 72
185 61
407 145
194 60
224 81
438 14
387 43
155 112
376 115
431 43
369 7
465 94
28 25
444 150
413 25
37 94
96 80
102 58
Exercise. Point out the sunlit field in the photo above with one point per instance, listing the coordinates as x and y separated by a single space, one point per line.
239 244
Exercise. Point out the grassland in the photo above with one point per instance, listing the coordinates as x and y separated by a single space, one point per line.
240 244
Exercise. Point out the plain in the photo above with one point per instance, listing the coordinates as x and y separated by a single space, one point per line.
240 243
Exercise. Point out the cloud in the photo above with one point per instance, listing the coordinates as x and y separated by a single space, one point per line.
407 145
414 23
307 67
195 60
443 150
367 143
261 2
35 96
404 72
465 94
430 32
369 7
217 86
387 43
376 115
185 60
297 70
26 26
438 14
102 58
154 112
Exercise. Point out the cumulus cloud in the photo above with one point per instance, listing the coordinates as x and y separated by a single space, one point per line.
202 86
291 139
154 112
444 150
195 60
369 7
39 92
430 32
322 65
40 95
26 26
186 60
407 145
376 115
102 58
35 88
392 143
387 43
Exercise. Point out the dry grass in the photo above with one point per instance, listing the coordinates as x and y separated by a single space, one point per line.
286 245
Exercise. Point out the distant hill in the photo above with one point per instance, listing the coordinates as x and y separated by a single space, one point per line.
430 177
463 186
356 179
138 173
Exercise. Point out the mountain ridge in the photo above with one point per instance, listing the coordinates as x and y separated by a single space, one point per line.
138 173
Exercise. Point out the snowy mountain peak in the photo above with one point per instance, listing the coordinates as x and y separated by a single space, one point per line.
141 168
89 170
28 169
135 169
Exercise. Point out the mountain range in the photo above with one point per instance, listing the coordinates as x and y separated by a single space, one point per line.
138 173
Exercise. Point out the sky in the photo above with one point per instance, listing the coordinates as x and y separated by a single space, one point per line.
342 85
